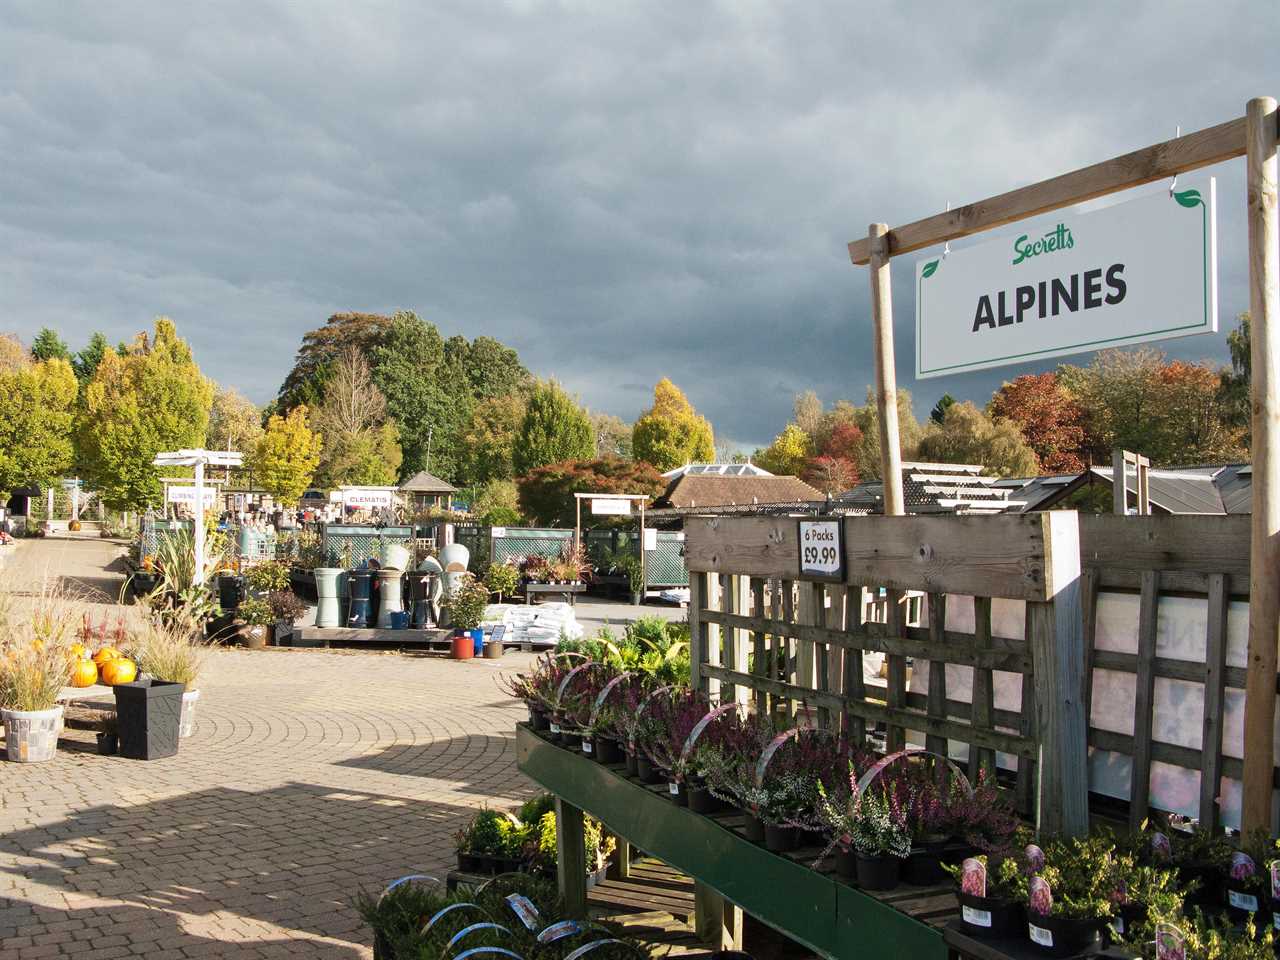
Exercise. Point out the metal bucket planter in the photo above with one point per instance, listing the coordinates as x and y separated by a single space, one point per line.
148 714
327 596
187 719
358 587
31 736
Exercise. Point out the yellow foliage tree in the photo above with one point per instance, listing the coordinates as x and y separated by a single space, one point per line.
788 453
671 433
286 455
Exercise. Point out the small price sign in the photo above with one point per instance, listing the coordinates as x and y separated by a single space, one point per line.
822 549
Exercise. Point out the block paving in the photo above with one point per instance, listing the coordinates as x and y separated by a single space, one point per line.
311 776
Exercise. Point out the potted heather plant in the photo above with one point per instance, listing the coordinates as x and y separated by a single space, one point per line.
679 717
990 892
880 839
1247 883
1202 858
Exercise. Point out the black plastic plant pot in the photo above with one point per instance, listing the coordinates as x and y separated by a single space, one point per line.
147 715
846 863
538 719
633 765
923 867
780 839
1062 936
467 862
571 741
677 793
381 947
990 917
606 750
878 873
108 744
1208 884
1127 914
230 591
701 799
1241 903
647 772
753 827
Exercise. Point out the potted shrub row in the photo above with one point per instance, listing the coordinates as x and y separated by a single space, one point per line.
496 843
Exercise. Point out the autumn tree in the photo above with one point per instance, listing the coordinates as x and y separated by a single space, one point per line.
36 424
321 349
360 442
788 453
1236 382
546 493
1048 418
867 419
235 423
487 444
967 435
554 429
671 433
497 504
835 468
613 436
13 355
150 398
285 455
806 412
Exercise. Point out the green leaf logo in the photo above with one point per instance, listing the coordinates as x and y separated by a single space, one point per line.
929 269
1188 198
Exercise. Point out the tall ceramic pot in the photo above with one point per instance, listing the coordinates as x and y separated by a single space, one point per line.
327 596
390 593
31 736
396 556
187 721
358 586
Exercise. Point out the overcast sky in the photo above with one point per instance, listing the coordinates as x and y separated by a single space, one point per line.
620 191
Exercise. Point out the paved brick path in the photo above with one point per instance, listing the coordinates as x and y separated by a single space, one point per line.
311 775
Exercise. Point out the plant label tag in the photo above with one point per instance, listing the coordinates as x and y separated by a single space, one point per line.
1275 879
555 728
1035 857
1118 926
1242 901
557 931
973 877
1275 921
674 789
1161 849
1040 935
979 918
1170 943
525 910
586 746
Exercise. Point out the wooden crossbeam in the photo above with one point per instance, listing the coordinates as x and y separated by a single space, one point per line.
1158 162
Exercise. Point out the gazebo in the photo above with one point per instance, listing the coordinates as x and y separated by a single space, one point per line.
424 491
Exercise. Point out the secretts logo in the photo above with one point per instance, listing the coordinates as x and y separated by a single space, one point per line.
1059 238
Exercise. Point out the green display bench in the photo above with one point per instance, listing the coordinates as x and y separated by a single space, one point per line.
822 912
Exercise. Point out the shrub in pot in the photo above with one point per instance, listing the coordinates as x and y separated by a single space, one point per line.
1071 899
267 577
1202 858
466 603
258 621
502 579
492 843
989 891
171 650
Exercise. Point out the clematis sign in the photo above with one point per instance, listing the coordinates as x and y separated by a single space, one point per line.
1141 270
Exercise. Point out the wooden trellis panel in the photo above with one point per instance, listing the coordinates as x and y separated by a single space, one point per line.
1033 558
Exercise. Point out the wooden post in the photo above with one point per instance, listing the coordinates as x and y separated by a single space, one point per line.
716 922
1057 654
697 629
1119 482
1264 554
886 375
571 858
620 865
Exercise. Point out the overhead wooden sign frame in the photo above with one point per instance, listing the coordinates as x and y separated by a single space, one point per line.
1253 136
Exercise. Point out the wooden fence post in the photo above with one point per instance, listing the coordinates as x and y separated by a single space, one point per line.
1264 558
697 629
571 858
886 375
1057 652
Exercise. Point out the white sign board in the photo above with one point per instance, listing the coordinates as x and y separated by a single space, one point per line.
366 499
1136 271
610 506
186 496
650 538
822 549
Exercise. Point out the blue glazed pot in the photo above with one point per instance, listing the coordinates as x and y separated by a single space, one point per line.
477 637
358 585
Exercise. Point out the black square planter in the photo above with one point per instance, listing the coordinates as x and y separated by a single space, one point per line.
147 715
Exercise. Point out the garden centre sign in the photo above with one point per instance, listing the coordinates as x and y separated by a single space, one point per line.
1136 271
186 496
366 498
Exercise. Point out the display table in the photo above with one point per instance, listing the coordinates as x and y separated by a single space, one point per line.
569 591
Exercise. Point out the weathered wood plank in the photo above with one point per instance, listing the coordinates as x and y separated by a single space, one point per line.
937 668
1171 544
983 689
821 652
728 603
1007 655
1144 698
1024 789
1001 556
1157 162
697 630
1089 624
761 658
1214 699
896 692
900 717
1189 670
854 686
1173 754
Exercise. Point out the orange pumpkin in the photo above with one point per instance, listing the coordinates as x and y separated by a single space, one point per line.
119 670
105 654
84 673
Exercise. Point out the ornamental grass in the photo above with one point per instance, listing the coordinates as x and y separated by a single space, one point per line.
36 658
169 649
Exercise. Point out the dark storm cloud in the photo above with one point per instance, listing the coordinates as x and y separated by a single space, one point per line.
622 192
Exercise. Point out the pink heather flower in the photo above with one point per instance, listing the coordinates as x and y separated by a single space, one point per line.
1242 866
1040 897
